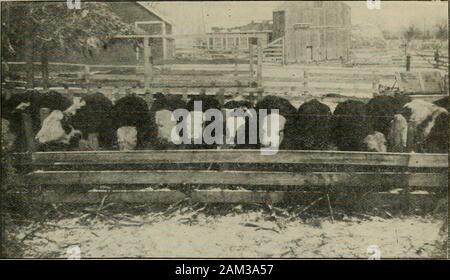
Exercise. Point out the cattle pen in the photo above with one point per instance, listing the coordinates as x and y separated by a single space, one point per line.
224 176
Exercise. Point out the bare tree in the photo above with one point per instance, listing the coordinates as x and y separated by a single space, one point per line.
441 31
411 32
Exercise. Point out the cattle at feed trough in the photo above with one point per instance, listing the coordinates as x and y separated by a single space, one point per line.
200 124
352 131
30 102
94 121
161 114
280 136
313 126
239 115
427 127
85 125
350 126
130 117
57 132
380 111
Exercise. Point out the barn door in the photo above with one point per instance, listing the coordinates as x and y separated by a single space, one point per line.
309 53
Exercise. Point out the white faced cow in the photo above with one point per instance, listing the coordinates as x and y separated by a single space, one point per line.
56 128
410 129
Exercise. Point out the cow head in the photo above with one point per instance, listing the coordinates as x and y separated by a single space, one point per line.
165 124
56 127
398 134
127 138
271 130
375 142
235 122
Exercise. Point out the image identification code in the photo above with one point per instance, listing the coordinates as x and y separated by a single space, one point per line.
246 269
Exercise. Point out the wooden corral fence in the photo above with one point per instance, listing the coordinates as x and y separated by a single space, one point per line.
231 176
411 61
231 77
437 60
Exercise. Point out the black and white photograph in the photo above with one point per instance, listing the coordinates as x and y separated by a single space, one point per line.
224 129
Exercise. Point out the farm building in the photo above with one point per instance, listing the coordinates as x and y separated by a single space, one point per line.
230 38
313 30
151 21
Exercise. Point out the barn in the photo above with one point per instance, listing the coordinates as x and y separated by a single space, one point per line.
313 30
147 18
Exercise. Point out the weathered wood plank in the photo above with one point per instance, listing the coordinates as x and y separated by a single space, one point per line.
96 196
379 200
241 156
335 179
247 196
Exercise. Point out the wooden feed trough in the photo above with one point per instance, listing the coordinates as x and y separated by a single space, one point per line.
212 176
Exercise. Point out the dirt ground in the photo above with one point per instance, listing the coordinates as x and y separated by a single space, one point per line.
202 231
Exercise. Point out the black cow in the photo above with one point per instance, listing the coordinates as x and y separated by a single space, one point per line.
30 102
350 126
313 126
131 120
198 114
164 121
381 110
70 129
284 129
238 115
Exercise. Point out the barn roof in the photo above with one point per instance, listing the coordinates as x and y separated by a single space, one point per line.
154 11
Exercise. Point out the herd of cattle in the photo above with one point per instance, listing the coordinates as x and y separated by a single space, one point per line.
384 124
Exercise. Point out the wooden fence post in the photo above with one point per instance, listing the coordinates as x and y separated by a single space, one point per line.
260 60
375 85
29 65
147 64
29 134
220 96
87 73
252 60
235 62
185 95
305 81
44 66
251 98
408 62
436 59
259 93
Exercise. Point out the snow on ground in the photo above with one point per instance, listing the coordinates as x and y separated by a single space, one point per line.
233 234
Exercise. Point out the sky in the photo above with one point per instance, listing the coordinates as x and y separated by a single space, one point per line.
393 15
